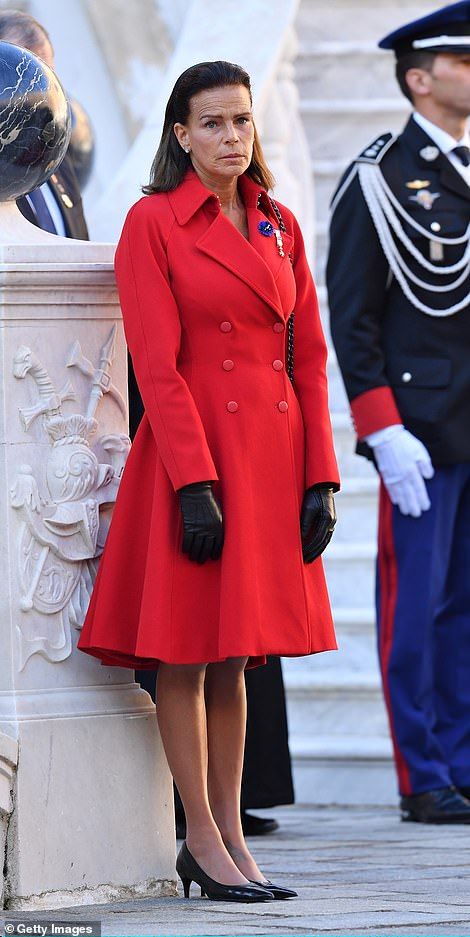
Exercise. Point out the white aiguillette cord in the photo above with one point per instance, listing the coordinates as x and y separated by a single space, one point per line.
384 208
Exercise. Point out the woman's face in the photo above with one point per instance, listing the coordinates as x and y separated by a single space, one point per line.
219 131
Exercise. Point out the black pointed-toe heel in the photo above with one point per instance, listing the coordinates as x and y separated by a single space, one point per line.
278 891
189 871
186 885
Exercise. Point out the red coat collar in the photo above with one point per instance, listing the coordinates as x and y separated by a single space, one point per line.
260 266
191 194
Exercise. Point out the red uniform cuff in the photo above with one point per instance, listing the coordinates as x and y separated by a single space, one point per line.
373 410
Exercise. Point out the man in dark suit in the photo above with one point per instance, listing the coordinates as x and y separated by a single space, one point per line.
55 206
399 293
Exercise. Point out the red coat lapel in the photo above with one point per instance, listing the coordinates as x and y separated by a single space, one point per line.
267 247
257 262
225 244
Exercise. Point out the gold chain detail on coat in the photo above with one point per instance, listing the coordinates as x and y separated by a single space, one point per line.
290 321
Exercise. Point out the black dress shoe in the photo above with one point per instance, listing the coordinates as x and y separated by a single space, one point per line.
257 826
445 805
189 871
278 891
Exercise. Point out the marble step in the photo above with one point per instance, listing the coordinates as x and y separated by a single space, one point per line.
337 397
350 20
321 256
355 620
356 506
350 572
351 465
349 769
307 676
319 277
350 669
326 174
344 126
363 67
313 708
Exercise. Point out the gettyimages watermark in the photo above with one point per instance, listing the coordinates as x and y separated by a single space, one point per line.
12 928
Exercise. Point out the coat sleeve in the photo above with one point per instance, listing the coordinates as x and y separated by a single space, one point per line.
153 331
357 274
310 355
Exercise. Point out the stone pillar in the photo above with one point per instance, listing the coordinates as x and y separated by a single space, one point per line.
92 816
8 760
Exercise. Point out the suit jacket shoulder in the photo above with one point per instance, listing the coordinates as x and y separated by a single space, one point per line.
64 185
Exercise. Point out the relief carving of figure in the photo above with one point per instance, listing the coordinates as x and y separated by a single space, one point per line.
62 533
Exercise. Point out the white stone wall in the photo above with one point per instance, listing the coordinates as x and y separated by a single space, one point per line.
8 762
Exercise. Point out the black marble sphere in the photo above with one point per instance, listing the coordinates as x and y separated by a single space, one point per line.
35 121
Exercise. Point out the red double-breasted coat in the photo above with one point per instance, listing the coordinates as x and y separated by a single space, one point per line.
204 312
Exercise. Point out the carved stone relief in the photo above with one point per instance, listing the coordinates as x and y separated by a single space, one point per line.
64 502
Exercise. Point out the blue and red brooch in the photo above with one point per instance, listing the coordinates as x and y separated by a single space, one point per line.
267 229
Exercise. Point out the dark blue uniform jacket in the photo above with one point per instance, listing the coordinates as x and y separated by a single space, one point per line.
399 363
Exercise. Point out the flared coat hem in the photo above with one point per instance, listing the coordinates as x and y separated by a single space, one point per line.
110 658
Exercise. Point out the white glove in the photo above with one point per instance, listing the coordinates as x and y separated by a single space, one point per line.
403 463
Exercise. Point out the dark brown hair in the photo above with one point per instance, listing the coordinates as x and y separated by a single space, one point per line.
171 162
422 60
21 29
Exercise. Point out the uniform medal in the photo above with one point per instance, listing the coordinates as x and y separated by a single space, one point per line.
425 198
418 184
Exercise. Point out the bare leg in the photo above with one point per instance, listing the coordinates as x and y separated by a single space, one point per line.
181 717
226 724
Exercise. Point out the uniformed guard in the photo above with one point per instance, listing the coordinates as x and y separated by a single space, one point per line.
399 293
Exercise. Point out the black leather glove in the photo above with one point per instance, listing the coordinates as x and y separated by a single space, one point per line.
203 533
317 521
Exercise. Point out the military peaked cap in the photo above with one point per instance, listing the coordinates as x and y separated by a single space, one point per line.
446 30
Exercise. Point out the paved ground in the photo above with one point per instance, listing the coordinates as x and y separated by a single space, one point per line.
357 872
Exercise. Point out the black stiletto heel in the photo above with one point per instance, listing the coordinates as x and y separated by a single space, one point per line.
189 871
278 891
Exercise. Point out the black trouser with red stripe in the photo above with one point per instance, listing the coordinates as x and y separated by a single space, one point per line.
423 616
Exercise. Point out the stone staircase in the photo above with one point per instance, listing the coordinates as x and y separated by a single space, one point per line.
338 728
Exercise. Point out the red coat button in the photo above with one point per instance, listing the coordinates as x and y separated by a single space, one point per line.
278 365
278 327
225 326
283 406
232 406
227 364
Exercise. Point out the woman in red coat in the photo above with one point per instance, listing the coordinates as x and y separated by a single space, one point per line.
226 500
